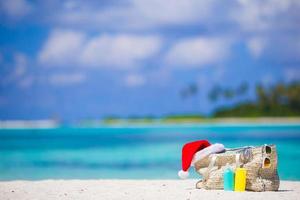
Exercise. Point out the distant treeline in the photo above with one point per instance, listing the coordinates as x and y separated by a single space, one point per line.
278 100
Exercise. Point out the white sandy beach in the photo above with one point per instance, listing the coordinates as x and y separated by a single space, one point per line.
132 189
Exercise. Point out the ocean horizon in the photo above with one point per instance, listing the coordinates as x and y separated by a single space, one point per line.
132 151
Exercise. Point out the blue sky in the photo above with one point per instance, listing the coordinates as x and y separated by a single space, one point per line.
90 59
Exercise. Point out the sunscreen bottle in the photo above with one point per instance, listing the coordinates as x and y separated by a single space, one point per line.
240 180
228 178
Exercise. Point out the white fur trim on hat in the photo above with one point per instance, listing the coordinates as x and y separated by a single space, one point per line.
215 148
183 174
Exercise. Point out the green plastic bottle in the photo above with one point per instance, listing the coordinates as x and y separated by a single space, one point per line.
228 178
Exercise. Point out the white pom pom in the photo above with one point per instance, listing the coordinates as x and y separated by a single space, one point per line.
183 174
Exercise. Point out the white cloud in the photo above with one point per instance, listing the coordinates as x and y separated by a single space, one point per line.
74 48
136 14
256 46
18 69
71 4
158 12
237 15
120 50
241 15
15 8
135 80
292 74
67 79
282 48
197 52
62 48
257 16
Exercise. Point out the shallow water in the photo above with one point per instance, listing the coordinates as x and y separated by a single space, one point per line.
131 152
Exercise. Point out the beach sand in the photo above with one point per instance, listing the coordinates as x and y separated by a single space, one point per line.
132 189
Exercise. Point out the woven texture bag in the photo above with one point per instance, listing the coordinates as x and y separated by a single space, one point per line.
259 162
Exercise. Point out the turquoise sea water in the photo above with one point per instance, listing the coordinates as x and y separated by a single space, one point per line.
130 152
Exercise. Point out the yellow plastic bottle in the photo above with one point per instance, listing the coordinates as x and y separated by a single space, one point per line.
240 180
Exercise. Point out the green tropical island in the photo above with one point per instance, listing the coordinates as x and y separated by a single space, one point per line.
280 102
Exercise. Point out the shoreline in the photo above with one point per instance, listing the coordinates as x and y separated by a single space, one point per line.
133 189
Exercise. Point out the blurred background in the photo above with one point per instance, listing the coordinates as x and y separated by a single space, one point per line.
113 89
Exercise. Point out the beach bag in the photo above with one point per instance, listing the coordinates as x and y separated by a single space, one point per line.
260 164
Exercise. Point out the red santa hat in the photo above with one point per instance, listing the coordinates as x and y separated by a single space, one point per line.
188 152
